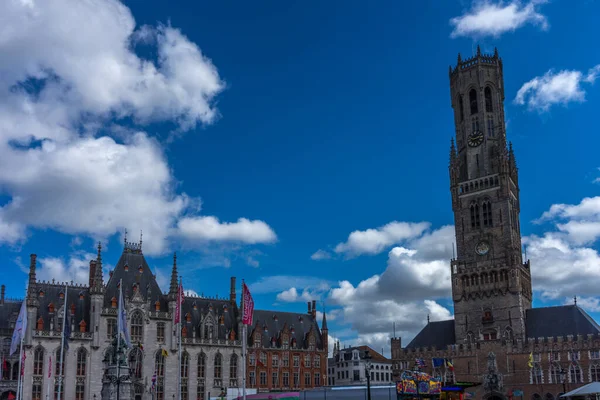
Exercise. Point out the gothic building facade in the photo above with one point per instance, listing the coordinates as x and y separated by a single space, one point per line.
538 352
210 335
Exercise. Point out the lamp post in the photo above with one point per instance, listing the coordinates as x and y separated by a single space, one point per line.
563 378
368 367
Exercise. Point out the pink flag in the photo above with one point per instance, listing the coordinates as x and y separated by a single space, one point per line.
180 297
23 364
248 306
50 366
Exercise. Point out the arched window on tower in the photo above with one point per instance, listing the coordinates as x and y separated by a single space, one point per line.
473 101
488 99
490 126
475 223
487 213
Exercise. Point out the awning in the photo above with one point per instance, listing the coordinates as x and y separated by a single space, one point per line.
590 388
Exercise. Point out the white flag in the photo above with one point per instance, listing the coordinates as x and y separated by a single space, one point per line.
20 326
123 318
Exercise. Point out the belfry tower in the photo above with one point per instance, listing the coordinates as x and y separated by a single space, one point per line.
491 285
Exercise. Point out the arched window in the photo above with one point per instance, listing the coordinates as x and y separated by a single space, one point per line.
38 362
136 361
233 367
185 364
486 209
159 368
208 331
461 108
137 327
555 375
536 396
201 366
488 99
81 370
537 375
595 372
218 366
475 223
575 375
490 126
465 281
549 396
473 101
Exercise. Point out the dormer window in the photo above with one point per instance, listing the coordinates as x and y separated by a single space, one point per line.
61 295
113 302
72 309
80 295
188 317
82 326
40 324
140 269
126 267
51 307
275 318
157 305
41 293
194 306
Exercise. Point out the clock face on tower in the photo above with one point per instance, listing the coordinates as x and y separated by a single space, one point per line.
482 248
475 139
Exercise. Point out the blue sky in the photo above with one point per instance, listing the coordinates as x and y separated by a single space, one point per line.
250 137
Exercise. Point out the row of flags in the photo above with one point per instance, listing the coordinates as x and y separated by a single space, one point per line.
435 362
573 355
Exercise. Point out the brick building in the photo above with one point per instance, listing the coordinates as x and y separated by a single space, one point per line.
211 335
491 283
287 350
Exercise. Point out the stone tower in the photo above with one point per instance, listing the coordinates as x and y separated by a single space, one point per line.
491 285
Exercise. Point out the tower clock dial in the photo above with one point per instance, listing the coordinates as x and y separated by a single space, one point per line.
482 248
475 139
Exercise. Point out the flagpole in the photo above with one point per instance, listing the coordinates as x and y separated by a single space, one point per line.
179 334
49 371
19 394
62 347
119 328
244 349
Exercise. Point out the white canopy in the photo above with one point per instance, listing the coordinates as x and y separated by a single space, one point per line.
590 388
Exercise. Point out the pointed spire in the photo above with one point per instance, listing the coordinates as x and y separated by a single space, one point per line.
125 239
32 267
478 51
97 283
575 299
427 318
511 156
459 60
452 150
496 52
324 323
141 236
174 277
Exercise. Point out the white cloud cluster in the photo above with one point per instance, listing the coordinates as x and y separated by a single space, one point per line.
75 268
375 241
70 74
562 87
491 18
320 255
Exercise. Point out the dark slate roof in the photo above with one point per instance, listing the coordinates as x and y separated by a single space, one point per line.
559 321
9 311
439 334
77 295
200 308
346 354
275 321
145 280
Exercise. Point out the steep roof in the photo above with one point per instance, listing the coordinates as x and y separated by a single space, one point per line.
200 308
299 324
559 321
133 269
438 333
77 299
375 355
9 311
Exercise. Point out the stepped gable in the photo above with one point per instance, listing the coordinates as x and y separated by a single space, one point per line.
559 321
438 334
9 311
299 325
221 313
49 294
133 269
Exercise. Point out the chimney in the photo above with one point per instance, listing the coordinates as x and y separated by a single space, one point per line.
232 296
2 293
309 311
92 271
314 309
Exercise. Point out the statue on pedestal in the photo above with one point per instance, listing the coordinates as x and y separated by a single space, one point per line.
116 383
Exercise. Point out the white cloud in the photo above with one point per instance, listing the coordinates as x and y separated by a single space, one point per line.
552 88
580 222
589 304
190 293
375 241
76 268
417 275
292 295
209 228
320 255
494 18
277 283
70 75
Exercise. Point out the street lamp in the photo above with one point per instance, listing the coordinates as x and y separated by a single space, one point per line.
563 378
368 367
